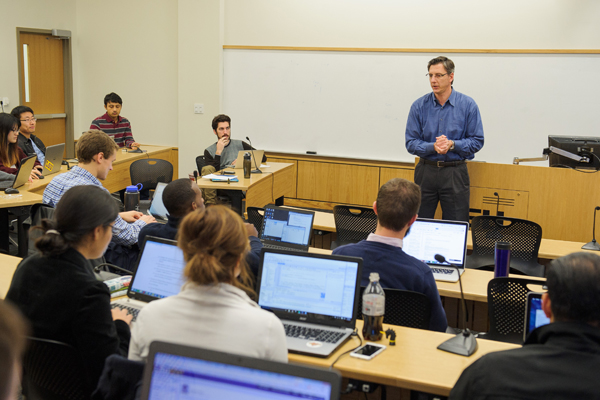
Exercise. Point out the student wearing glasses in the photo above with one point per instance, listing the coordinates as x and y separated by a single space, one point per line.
10 152
27 141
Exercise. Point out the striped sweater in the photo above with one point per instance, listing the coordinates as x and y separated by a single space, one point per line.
120 131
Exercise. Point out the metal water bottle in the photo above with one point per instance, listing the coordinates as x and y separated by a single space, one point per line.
373 309
247 165
132 197
502 259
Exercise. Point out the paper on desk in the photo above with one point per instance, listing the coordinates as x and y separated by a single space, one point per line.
220 178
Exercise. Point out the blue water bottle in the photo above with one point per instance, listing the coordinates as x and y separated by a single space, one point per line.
502 259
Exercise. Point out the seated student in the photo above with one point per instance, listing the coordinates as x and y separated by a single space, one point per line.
57 289
396 207
213 309
560 360
10 152
13 332
28 142
113 124
223 153
181 197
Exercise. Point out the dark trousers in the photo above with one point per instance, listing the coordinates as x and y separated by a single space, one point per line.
447 185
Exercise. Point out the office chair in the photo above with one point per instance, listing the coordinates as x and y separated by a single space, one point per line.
353 224
525 237
149 172
507 300
403 308
121 379
53 370
255 217
200 163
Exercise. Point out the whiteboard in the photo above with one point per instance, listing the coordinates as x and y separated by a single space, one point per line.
355 104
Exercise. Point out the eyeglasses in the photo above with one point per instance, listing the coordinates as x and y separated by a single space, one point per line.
14 130
29 120
437 76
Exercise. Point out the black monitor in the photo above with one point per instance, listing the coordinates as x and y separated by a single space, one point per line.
584 146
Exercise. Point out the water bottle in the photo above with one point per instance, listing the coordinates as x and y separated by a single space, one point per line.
373 309
132 197
502 259
247 165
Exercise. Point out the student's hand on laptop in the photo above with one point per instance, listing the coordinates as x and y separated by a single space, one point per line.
149 219
131 216
251 230
122 314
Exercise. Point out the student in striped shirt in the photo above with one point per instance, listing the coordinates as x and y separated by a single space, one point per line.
113 124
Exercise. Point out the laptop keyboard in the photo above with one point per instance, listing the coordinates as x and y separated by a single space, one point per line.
133 311
321 335
275 247
442 271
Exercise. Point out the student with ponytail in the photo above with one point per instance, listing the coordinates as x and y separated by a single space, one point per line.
57 289
214 309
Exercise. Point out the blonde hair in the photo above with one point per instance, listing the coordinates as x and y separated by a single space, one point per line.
214 241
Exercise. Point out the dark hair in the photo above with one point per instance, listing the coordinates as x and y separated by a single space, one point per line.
445 61
9 152
13 340
93 142
18 110
213 242
398 200
79 211
220 118
178 197
574 287
112 97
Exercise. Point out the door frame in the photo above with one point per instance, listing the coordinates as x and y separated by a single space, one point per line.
68 84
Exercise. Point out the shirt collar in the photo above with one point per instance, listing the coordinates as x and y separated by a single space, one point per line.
77 170
109 119
451 100
385 240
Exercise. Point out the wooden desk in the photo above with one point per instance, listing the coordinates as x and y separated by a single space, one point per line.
8 265
414 363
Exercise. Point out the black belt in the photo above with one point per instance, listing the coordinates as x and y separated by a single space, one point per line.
443 163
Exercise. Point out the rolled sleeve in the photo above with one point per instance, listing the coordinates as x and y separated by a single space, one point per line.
126 233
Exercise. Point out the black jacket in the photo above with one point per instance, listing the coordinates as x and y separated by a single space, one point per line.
558 361
64 301
25 144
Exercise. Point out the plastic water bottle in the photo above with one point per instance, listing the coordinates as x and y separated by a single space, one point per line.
373 309
132 197
247 165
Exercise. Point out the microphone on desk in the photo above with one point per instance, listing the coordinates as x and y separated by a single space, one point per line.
464 343
498 202
593 245
257 170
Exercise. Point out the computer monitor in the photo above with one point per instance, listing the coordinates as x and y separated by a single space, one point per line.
584 146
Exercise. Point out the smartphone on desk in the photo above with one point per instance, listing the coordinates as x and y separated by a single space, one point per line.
229 172
368 351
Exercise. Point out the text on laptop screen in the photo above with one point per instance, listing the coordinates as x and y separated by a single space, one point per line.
175 377
160 270
286 226
308 285
428 238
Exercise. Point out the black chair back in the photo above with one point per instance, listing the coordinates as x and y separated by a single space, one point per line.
150 171
403 308
54 370
255 217
200 163
353 224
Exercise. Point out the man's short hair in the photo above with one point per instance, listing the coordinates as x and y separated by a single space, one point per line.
93 142
112 98
445 61
398 201
13 339
220 118
574 287
18 110
178 197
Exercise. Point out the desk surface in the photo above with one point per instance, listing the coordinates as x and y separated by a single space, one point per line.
8 265
414 363
244 183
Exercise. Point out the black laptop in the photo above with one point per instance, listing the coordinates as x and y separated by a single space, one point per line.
286 228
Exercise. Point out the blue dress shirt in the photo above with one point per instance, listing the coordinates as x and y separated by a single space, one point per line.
458 119
40 155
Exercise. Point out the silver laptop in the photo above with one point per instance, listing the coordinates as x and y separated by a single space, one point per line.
285 228
22 176
159 274
428 237
314 295
239 163
175 371
53 159
534 314
157 208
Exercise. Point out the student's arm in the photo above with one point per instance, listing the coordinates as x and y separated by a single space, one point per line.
210 160
248 147
128 137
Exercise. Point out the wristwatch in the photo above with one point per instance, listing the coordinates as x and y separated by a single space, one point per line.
452 147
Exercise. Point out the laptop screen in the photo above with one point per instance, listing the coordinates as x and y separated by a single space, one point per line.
428 237
159 272
535 316
286 225
305 284
157 208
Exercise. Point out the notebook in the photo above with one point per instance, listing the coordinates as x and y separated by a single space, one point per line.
175 371
158 274
534 315
428 237
157 208
314 295
286 228
22 176
239 163
53 159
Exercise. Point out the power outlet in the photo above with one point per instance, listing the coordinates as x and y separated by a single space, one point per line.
198 108
5 102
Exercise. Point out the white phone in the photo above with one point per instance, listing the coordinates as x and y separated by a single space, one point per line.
368 351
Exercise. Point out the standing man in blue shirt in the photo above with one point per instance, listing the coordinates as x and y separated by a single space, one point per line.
444 129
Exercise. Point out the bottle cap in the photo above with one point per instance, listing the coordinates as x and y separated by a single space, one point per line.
132 188
374 276
503 245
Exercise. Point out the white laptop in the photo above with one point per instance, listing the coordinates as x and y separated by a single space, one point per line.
314 295
159 274
239 163
286 228
53 159
428 237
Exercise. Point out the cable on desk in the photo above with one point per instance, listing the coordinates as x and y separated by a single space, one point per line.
349 351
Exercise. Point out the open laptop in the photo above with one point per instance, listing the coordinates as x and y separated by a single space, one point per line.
158 274
175 371
428 237
285 228
22 176
157 208
314 295
534 315
239 163
53 159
